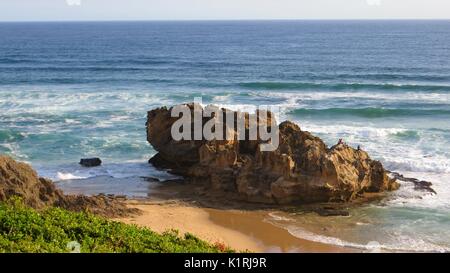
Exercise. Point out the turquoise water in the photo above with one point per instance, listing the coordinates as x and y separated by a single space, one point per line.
72 90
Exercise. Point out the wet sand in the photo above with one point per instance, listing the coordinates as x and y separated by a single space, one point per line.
269 236
241 230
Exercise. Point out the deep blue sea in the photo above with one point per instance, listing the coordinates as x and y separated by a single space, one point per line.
72 90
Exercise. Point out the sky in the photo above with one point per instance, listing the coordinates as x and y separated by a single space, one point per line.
93 10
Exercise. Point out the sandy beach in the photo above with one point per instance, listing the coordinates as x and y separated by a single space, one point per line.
241 230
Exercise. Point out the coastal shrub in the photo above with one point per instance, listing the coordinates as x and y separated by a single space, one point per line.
23 229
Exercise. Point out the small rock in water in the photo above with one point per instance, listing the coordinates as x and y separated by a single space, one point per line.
91 162
149 179
327 211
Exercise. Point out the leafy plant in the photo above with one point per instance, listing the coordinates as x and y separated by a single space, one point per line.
23 229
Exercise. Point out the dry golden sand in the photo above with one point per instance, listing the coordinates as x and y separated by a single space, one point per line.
240 230
161 217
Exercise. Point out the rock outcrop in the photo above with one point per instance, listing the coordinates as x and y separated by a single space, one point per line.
301 170
19 179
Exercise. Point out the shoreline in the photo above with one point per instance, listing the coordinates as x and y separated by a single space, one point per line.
223 217
241 230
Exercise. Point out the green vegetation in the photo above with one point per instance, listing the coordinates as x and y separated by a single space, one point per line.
23 229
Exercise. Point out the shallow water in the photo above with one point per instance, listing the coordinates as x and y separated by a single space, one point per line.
72 90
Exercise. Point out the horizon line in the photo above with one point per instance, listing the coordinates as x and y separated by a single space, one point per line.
224 20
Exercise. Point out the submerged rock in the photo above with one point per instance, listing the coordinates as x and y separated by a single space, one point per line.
19 179
419 185
331 211
301 170
91 162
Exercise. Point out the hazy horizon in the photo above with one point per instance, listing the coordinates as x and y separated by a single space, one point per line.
216 20
217 10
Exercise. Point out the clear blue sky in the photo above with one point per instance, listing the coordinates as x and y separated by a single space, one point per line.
51 10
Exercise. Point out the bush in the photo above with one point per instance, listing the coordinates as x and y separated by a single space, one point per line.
23 229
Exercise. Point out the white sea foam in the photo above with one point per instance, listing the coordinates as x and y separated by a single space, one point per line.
278 217
356 130
422 97
402 243
67 176
221 98
407 196
66 101
379 142
14 150
72 121
115 170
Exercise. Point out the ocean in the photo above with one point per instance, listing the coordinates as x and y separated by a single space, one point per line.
82 89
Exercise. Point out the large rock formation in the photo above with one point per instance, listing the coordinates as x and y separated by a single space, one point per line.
20 180
301 170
